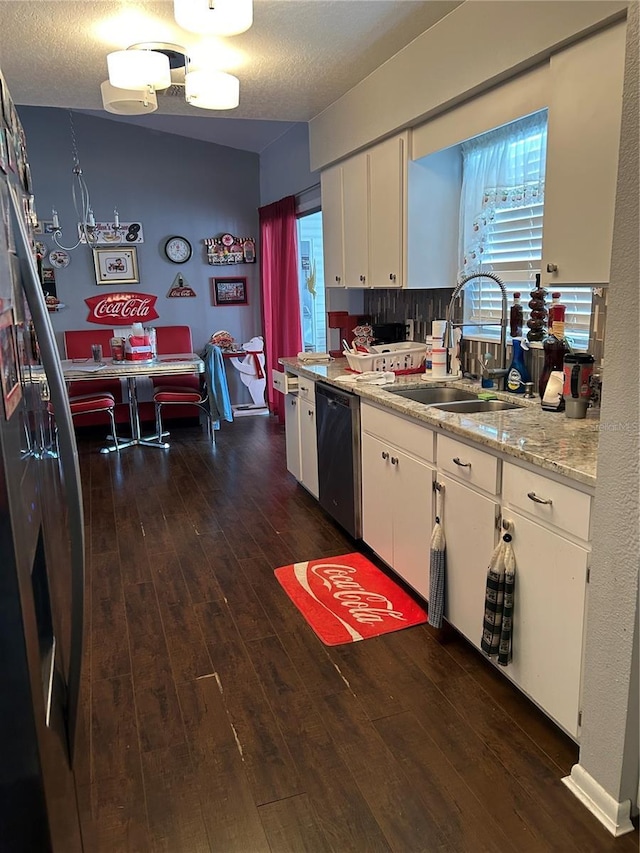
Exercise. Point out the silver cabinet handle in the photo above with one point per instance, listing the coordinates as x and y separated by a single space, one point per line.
338 279
293 402
310 413
384 455
392 276
394 460
363 278
552 267
533 497
457 461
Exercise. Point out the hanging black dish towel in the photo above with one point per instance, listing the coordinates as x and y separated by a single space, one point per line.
437 567
497 629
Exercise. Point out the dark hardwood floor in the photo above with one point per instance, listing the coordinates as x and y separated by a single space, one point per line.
219 722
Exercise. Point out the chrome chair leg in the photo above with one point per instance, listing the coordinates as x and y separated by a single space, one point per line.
113 436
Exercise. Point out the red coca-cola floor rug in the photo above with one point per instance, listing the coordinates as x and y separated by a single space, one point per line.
346 599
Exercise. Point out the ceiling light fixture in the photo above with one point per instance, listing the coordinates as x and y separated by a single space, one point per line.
139 69
82 206
128 101
137 73
212 90
214 17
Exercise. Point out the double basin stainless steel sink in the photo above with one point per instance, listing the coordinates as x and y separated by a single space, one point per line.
452 400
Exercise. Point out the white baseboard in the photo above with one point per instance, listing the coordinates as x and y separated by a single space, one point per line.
615 816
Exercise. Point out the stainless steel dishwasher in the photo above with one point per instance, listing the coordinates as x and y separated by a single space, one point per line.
339 477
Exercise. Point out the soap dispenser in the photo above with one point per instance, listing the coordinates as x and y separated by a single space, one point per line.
518 374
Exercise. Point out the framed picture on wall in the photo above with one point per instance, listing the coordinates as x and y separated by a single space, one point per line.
9 372
229 291
116 266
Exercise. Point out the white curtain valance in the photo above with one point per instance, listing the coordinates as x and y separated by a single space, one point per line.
502 169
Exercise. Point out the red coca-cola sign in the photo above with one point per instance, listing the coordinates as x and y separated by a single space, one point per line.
121 309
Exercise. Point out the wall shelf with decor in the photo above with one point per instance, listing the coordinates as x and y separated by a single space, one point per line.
228 249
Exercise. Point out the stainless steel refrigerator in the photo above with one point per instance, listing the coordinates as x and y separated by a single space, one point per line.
43 752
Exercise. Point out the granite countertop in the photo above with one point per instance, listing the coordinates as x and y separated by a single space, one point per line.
548 440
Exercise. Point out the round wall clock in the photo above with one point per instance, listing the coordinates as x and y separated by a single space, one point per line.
178 250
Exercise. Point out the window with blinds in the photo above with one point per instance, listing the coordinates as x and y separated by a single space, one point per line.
503 178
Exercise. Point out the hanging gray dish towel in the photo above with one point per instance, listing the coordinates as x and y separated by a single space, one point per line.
437 566
497 629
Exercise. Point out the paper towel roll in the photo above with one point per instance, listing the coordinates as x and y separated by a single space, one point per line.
438 327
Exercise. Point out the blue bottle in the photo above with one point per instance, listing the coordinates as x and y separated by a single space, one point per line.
517 374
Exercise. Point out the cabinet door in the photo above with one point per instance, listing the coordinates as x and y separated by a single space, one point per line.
356 221
332 226
413 518
292 435
387 199
308 447
548 619
582 158
377 499
469 521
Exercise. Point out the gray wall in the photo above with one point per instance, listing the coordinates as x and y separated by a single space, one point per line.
609 750
172 185
284 166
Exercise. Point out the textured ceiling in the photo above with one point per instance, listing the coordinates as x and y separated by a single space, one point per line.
299 57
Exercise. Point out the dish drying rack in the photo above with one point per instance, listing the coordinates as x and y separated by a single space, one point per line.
403 357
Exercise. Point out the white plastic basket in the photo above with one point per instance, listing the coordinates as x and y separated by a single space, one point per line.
407 355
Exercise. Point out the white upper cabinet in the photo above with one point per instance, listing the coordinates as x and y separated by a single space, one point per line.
332 226
364 217
434 184
355 182
387 218
585 108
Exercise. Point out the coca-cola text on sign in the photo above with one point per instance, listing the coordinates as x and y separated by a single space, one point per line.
121 309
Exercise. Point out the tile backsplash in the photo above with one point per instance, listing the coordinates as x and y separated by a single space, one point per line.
397 306
424 306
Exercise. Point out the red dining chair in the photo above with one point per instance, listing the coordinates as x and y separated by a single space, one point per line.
85 404
177 396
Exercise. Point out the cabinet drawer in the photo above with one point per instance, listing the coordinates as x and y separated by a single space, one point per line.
406 435
284 382
306 388
554 503
469 464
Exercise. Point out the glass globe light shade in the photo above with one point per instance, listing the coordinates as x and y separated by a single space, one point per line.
212 90
137 69
128 101
214 17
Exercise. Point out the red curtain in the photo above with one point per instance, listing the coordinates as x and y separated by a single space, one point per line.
280 295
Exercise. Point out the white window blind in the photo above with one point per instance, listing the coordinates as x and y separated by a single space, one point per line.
501 227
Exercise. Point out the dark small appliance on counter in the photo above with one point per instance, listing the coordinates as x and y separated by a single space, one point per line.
388 333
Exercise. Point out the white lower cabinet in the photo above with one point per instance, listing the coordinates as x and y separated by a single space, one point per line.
292 435
308 446
397 502
469 520
548 619
301 441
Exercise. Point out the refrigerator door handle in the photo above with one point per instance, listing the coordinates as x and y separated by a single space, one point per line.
68 456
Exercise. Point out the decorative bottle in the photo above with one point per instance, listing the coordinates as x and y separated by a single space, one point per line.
516 317
555 348
517 374
536 322
556 314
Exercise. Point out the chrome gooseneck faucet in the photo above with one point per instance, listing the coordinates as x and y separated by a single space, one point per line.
448 336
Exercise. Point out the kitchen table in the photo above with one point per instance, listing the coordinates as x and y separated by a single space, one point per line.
173 364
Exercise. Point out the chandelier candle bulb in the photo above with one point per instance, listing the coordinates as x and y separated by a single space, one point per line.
55 220
116 218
